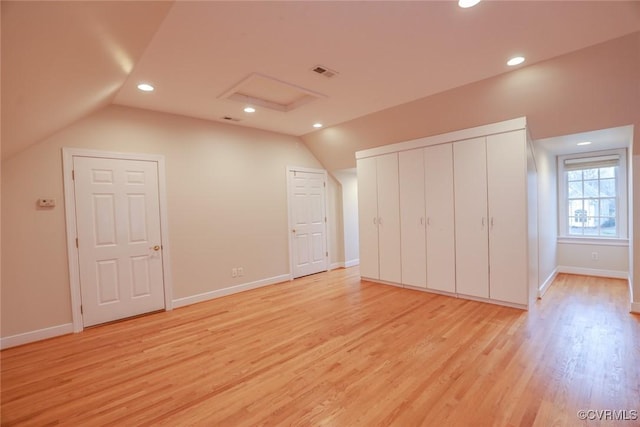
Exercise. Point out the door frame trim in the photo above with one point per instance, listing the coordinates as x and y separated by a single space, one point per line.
323 172
69 207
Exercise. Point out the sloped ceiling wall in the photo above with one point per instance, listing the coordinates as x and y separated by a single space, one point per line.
594 88
60 73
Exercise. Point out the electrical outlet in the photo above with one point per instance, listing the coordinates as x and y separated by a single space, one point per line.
234 272
47 203
240 271
594 256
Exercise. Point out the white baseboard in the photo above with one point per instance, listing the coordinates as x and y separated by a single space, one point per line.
352 263
634 307
494 301
593 272
547 283
181 302
336 265
38 335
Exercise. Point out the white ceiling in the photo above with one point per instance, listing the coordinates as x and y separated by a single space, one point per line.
386 53
603 139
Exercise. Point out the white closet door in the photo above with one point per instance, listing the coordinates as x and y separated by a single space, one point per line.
388 218
471 222
368 217
412 218
441 254
506 176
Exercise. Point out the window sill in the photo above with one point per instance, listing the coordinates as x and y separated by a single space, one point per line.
595 241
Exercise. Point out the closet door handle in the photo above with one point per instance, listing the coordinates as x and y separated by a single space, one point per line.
483 219
375 221
379 221
491 222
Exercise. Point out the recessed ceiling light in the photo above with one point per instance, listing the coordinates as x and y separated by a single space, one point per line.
467 3
317 125
145 87
249 110
516 60
584 143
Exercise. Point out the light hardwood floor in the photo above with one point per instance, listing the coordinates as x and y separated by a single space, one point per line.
332 350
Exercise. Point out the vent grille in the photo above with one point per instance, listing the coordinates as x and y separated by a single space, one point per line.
231 119
324 71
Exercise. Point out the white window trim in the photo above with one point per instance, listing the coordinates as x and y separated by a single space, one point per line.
622 197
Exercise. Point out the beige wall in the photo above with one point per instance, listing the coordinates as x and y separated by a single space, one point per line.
577 258
227 207
547 213
634 250
349 181
335 225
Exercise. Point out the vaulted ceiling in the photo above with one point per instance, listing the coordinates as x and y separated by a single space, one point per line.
64 60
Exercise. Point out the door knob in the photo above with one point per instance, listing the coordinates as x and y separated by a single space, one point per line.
155 248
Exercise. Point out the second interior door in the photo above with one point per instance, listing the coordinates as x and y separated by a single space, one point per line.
308 222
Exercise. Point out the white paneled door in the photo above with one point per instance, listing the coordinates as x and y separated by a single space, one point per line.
308 222
439 197
368 217
412 218
471 217
119 239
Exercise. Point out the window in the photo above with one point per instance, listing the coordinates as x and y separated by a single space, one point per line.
593 195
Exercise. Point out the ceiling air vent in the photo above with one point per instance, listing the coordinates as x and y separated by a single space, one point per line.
324 71
231 119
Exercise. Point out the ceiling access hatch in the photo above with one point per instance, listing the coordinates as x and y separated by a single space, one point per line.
267 92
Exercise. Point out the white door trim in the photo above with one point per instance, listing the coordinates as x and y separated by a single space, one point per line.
290 213
69 206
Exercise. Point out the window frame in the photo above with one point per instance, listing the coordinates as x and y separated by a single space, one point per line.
621 196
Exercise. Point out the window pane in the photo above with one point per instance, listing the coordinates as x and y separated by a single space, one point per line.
575 206
591 226
575 189
575 228
608 207
592 206
578 217
591 188
574 175
609 172
590 173
608 227
607 188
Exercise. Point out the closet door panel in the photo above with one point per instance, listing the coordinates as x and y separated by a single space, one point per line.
412 218
368 217
471 227
389 218
507 196
440 239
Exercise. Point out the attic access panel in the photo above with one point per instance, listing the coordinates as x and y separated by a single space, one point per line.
260 90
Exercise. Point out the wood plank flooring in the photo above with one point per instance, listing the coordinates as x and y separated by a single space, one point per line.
330 350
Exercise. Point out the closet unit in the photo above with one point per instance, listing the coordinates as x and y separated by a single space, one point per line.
465 220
